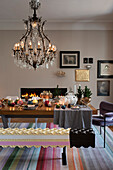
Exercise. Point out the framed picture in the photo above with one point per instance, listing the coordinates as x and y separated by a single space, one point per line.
103 88
105 68
81 75
69 59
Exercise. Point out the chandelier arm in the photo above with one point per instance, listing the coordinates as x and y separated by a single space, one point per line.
28 32
42 42
42 28
26 22
38 54
42 62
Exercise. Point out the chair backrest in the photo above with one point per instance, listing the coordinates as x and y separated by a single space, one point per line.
106 107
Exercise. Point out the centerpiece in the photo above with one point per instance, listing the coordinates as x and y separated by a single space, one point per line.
46 95
86 95
79 95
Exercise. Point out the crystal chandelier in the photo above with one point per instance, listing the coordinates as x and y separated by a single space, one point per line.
35 48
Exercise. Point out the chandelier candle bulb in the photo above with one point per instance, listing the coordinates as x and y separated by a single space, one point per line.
30 45
49 104
49 46
38 44
53 47
22 44
18 46
34 24
15 46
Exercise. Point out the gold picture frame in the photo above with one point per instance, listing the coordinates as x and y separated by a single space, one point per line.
82 75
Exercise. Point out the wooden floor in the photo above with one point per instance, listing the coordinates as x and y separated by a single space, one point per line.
40 120
111 127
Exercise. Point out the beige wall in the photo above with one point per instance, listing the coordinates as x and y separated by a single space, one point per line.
97 44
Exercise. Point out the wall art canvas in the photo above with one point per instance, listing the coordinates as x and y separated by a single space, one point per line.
103 88
82 75
69 59
105 68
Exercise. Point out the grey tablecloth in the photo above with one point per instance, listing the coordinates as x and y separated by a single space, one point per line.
70 118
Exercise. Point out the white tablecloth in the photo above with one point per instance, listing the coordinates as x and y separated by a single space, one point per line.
70 118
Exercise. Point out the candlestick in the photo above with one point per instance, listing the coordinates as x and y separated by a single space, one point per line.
74 89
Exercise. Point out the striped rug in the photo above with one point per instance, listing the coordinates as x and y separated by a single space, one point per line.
98 158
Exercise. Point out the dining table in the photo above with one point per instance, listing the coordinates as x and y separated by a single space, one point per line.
38 112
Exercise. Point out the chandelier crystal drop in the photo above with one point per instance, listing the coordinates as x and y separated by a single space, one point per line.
35 48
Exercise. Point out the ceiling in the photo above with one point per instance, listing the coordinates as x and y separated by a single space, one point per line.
57 12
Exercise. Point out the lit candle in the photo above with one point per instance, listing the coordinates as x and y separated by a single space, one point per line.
38 44
13 108
20 102
35 101
10 108
49 104
49 109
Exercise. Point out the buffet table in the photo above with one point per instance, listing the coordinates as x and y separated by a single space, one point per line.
42 112
73 118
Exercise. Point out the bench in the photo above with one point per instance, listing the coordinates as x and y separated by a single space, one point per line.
36 137
82 137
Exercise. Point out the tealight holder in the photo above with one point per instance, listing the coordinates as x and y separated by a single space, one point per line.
63 106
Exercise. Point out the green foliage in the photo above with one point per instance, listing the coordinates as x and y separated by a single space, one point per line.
80 92
57 91
87 92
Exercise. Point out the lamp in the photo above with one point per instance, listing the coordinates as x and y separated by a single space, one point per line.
35 48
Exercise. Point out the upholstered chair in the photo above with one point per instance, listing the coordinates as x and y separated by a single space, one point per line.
105 117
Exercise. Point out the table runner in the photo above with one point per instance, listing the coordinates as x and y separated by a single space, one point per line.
71 118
